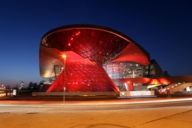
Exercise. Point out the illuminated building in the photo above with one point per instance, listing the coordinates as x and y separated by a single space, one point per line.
88 58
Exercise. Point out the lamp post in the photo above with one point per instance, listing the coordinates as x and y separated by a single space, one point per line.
64 56
64 88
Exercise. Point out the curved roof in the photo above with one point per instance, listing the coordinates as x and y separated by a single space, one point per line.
98 44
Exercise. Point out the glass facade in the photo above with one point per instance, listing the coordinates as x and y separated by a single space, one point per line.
124 70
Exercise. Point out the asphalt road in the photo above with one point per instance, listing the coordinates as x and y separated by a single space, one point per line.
124 113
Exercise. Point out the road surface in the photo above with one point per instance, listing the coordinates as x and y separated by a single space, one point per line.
137 113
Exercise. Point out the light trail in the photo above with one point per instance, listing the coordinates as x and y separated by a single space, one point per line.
103 102
27 107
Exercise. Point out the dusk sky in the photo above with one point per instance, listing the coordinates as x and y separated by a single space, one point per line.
163 28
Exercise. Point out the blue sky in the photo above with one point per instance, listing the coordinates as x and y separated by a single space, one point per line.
163 28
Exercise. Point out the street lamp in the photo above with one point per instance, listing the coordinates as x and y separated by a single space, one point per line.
64 56
64 88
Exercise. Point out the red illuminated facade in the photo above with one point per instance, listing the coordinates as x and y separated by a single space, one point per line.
78 57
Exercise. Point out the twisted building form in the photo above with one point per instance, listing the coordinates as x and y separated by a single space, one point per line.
88 58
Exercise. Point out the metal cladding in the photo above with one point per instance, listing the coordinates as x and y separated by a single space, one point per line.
86 48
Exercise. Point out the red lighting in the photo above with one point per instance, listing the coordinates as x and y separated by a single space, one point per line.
164 81
130 85
82 75
132 53
77 33
159 81
155 82
86 49
146 80
72 39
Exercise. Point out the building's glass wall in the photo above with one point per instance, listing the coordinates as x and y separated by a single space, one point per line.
124 70
120 71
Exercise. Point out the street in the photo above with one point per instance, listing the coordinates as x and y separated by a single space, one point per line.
137 113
